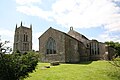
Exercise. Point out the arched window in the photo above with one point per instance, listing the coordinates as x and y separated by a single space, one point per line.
51 46
94 48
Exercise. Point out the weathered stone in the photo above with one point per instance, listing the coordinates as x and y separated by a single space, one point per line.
72 47
55 63
23 39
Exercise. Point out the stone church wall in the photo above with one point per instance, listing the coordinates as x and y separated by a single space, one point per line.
60 49
23 39
102 51
71 50
111 52
84 52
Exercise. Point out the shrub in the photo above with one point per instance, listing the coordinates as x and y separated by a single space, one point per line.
17 66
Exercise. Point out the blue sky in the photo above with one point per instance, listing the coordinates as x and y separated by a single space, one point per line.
96 19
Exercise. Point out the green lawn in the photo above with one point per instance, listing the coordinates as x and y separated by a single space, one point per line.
96 70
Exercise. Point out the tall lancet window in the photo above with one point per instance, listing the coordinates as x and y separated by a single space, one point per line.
25 37
51 46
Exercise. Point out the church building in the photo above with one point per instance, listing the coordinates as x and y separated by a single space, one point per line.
22 39
55 45
71 47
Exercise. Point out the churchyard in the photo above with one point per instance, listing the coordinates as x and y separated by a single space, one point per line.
95 70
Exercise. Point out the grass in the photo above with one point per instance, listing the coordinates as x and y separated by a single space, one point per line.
96 70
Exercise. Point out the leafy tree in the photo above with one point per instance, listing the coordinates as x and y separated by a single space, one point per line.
16 66
116 59
115 45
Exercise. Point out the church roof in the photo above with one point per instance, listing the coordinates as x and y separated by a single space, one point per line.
60 32
77 33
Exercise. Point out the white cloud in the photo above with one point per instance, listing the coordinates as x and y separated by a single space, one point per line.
85 13
78 13
112 27
5 32
7 35
34 11
108 36
24 2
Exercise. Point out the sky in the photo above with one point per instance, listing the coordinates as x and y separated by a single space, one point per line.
96 19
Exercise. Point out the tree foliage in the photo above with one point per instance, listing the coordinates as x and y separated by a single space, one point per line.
116 59
16 66
115 45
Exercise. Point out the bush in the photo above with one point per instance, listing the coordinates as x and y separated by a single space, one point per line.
17 66
116 66
115 62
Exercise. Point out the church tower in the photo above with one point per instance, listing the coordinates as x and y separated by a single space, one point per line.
22 39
